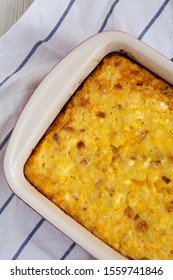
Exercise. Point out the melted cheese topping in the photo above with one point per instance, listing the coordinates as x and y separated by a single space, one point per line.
107 159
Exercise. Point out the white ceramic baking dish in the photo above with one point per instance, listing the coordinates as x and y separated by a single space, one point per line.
43 107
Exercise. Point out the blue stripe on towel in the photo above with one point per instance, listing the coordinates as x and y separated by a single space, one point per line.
153 19
2 144
108 15
68 251
39 43
6 203
38 225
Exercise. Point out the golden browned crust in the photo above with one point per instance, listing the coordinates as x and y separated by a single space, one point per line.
107 160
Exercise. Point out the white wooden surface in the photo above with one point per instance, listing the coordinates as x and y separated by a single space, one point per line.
10 12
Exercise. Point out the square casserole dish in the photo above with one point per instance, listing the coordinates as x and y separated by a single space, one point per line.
43 107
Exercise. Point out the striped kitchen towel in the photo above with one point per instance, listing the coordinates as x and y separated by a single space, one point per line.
40 38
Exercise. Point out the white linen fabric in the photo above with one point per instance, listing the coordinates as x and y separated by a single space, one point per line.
40 38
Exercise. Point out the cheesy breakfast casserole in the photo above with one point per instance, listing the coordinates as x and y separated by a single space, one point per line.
107 159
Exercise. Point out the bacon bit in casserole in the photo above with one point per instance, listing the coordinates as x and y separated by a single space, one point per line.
114 149
100 114
80 145
113 158
154 164
170 206
56 137
136 217
117 63
139 84
170 158
129 212
142 226
84 101
157 162
133 157
103 86
119 86
143 135
170 103
70 128
84 161
135 72
166 179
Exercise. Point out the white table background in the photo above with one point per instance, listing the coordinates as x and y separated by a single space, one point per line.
10 12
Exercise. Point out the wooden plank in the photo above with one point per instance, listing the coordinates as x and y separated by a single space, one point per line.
10 12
